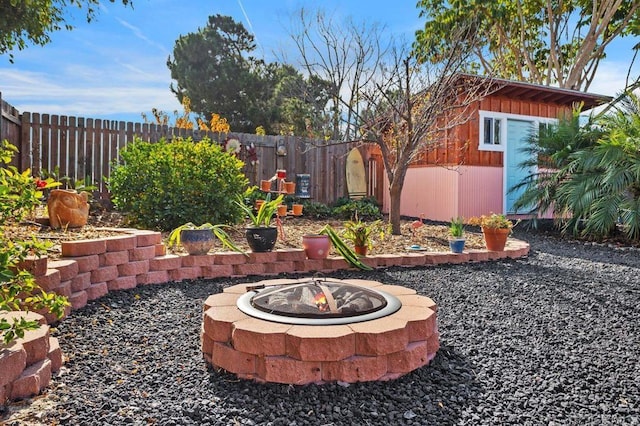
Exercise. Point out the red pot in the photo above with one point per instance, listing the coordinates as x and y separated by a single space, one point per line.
316 246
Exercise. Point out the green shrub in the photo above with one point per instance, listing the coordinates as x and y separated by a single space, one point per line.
165 184
316 210
366 209
20 193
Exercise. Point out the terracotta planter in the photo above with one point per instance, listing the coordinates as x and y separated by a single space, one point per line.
258 204
361 250
290 187
316 246
67 208
265 185
282 210
197 242
297 209
495 238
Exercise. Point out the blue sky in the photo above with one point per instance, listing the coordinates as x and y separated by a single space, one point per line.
115 68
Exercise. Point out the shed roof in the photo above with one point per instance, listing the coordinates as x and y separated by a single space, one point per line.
541 93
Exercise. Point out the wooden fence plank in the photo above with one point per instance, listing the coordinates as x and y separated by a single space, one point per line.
54 144
63 149
26 137
45 143
72 156
35 144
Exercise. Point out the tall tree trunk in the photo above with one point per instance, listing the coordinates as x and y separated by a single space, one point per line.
395 191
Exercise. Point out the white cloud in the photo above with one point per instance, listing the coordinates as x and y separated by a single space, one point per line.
139 34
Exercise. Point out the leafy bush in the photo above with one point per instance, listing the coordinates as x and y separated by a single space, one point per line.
316 210
165 184
365 209
19 196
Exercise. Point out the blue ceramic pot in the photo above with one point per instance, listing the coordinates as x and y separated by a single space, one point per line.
456 245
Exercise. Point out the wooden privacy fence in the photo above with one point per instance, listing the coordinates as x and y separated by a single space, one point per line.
85 148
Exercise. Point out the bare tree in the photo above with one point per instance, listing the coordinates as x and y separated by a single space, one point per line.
345 54
411 108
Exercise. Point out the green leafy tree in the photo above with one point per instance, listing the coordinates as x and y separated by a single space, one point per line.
33 21
541 41
298 103
213 67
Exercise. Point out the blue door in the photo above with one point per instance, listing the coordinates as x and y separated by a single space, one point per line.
517 133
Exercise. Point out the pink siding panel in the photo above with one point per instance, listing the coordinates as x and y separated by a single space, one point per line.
480 191
441 193
431 191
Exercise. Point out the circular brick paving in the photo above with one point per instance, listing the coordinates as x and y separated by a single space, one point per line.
380 349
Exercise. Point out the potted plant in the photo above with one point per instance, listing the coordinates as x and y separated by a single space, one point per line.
343 249
359 233
316 246
261 236
456 235
198 240
495 229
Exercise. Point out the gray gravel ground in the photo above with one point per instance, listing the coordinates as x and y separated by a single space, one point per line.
553 339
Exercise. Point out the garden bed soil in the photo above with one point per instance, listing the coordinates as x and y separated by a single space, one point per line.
430 236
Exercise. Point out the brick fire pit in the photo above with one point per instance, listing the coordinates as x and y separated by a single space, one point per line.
265 351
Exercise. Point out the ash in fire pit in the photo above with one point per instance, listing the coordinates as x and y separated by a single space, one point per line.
317 302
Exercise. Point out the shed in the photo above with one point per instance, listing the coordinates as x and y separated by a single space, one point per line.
471 172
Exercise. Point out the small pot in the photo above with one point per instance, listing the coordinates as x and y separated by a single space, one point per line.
316 246
289 187
265 185
361 250
282 210
258 204
456 245
197 242
297 209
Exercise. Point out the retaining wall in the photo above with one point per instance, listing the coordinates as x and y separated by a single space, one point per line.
89 269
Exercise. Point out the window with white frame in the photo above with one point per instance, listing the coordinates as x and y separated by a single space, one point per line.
492 131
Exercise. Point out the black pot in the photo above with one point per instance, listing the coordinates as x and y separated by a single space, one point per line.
261 239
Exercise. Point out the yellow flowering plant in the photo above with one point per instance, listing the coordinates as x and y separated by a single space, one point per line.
493 220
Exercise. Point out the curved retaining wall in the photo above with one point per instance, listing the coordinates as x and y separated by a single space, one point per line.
89 269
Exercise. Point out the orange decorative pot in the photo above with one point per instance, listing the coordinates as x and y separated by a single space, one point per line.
265 185
297 209
495 238
259 204
361 250
289 187
282 210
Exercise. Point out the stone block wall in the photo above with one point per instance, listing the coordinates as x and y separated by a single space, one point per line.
89 269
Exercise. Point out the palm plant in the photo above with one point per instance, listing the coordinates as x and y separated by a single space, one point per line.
603 187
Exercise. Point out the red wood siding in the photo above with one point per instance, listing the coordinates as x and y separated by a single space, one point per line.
460 145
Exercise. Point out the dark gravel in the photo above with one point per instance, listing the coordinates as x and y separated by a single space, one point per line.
552 339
